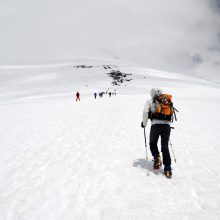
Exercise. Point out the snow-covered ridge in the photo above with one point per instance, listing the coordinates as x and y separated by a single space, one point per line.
19 83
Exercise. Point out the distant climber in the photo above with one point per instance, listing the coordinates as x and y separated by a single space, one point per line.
95 94
101 94
77 96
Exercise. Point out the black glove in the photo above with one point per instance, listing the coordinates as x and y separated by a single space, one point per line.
142 125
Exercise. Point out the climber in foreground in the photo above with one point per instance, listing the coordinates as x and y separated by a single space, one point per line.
160 111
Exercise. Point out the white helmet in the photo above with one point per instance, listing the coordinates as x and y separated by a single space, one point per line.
155 92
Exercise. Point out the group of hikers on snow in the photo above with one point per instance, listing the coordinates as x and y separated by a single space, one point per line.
159 109
95 95
108 92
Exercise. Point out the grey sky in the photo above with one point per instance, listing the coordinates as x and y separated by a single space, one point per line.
173 34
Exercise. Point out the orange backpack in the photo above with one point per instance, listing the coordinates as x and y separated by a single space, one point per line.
163 108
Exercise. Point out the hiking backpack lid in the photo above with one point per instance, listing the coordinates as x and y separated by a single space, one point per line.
162 108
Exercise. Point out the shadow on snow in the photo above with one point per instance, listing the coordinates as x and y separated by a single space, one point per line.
146 165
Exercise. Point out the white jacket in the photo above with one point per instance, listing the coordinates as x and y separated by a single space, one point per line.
147 108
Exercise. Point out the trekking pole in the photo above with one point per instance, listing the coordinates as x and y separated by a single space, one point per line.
146 151
172 147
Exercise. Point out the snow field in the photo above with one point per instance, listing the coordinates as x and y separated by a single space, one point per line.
62 159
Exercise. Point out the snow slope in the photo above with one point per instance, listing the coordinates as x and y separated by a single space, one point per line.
62 159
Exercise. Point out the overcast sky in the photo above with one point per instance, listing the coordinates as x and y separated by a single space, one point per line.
178 35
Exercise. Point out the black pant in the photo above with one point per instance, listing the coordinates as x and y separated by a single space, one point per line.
162 130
